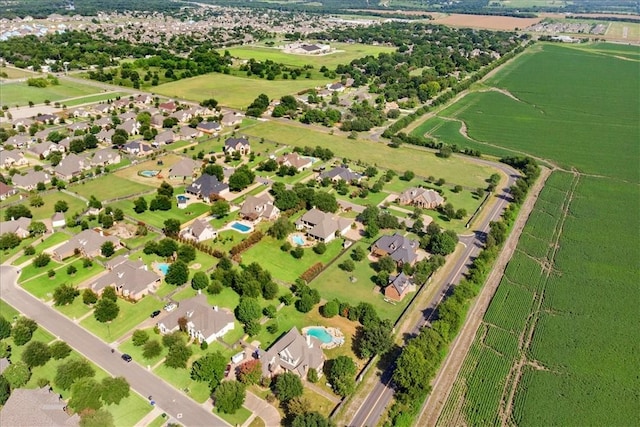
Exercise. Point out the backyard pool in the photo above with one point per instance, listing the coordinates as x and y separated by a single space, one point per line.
298 240
241 227
149 173
321 333
163 267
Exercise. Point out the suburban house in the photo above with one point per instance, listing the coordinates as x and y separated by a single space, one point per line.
65 143
20 141
83 126
336 87
168 107
79 112
105 156
31 179
187 132
105 135
157 121
421 197
6 191
129 115
294 353
204 323
163 138
257 208
13 158
209 127
102 108
401 249
131 279
182 116
103 122
231 119
22 121
37 407
132 127
399 286
207 188
199 231
137 148
185 168
43 149
71 166
58 220
241 145
143 99
295 160
88 242
341 173
19 226
307 49
47 119
323 226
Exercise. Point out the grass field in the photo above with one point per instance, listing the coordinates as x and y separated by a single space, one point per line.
453 170
43 286
16 73
157 218
94 98
49 241
47 210
108 187
20 93
232 91
558 333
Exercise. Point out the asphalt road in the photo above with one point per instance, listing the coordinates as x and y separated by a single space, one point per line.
144 382
369 413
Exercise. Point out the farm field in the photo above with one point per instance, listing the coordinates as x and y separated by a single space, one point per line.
504 23
453 170
20 93
232 91
560 331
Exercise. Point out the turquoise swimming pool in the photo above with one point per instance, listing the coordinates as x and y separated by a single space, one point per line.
321 334
149 173
163 267
240 227
298 240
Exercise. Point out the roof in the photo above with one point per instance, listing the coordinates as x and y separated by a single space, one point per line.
292 352
295 160
131 276
184 168
341 172
400 282
206 185
208 126
235 142
104 155
31 179
399 248
58 216
41 147
13 154
36 407
69 165
323 225
261 206
5 189
14 225
310 47
198 227
188 131
202 316
427 195
88 240
165 137
137 145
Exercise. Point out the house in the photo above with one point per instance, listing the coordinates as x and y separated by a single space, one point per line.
185 168
129 115
82 126
323 226
131 279
18 226
47 119
65 143
166 137
103 108
421 197
168 107
43 149
79 112
295 160
37 407
398 286
241 145
22 121
103 122
104 157
88 242
187 132
341 173
204 323
401 249
132 127
137 148
199 231
294 353
31 179
71 166
20 141
336 87
182 116
231 119
209 128
157 121
207 187
12 158
58 220
105 135
6 191
257 208
143 99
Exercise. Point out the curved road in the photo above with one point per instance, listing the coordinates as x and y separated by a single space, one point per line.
372 408
168 399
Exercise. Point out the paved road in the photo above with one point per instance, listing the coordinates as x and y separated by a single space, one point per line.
369 413
170 400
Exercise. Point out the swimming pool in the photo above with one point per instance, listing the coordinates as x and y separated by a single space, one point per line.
163 267
298 240
240 227
321 334
149 173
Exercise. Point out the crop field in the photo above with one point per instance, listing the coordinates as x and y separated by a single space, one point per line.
345 53
562 319
13 94
234 91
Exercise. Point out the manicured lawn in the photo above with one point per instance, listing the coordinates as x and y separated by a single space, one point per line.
7 311
157 218
130 410
4 255
21 93
132 173
75 310
31 270
136 352
109 187
319 403
257 422
49 241
283 265
47 210
372 198
181 379
287 318
130 315
94 98
228 298
140 241
236 419
158 422
43 287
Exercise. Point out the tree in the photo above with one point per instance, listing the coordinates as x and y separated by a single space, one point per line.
342 374
139 337
171 226
173 338
186 253
106 310
443 243
248 309
270 290
17 211
297 252
252 328
220 208
166 247
200 280
118 215
114 390
358 254
178 273
288 386
250 372
325 202
408 176
347 265
23 330
5 390
210 369
140 205
386 263
36 353
375 339
110 293
67 373
17 374
41 260
229 396
71 270
281 228
65 295
99 418
29 250
371 230
215 170
85 394
178 355
312 419
320 248
330 309
5 328
9 241
165 189
37 228
151 349
89 297
61 206
60 350
107 249
36 201
241 178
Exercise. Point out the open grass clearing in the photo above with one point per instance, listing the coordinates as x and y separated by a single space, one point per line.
109 187
180 378
75 310
92 99
47 210
7 311
157 218
49 241
43 287
136 352
161 164
238 418
20 93
16 73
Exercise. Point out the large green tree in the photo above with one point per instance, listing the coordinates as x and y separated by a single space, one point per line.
178 273
67 373
85 394
210 369
65 294
342 374
229 396
17 374
114 390
288 386
36 353
106 310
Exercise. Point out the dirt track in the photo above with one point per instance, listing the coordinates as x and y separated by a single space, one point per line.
450 368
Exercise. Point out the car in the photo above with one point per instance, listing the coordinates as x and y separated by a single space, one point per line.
127 358
155 314
171 306
227 370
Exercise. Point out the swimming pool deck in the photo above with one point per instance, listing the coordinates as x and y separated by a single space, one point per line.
336 335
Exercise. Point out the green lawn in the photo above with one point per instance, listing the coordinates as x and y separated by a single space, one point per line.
109 187
7 311
47 210
136 352
94 98
49 241
75 310
157 218
130 410
236 419
283 265
20 93
158 422
139 241
319 403
287 318
43 287
180 379
16 73
227 298
130 315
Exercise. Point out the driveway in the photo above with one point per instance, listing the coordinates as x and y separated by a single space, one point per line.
262 409
168 399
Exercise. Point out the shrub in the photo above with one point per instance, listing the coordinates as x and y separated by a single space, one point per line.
297 253
330 309
320 248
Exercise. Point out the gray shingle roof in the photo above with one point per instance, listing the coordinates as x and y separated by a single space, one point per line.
399 248
206 185
292 352
37 407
